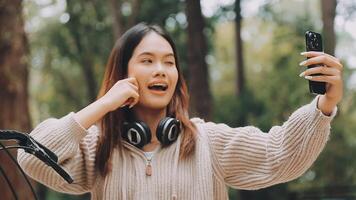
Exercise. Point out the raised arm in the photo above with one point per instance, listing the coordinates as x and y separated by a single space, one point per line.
74 144
247 158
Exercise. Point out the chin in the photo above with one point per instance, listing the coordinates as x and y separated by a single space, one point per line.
154 104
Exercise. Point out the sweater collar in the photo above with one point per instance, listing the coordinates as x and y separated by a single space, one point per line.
175 145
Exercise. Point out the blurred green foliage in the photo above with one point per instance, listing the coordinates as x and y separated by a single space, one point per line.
61 52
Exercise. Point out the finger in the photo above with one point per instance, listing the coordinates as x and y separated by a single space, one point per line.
321 70
135 100
133 80
310 54
322 60
127 102
133 86
327 79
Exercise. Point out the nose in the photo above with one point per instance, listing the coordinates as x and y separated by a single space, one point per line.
159 70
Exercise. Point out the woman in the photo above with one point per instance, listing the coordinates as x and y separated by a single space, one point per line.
107 148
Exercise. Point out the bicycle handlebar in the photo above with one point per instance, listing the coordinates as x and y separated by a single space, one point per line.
37 149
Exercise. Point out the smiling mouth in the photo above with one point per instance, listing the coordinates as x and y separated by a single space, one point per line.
158 87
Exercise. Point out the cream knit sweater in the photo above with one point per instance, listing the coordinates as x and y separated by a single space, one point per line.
243 158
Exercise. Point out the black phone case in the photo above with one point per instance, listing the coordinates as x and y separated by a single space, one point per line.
314 42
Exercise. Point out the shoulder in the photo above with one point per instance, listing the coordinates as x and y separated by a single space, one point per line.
215 129
92 135
199 124
94 130
208 125
204 128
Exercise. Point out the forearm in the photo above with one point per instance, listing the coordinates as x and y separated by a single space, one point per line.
304 136
247 158
326 105
91 114
75 148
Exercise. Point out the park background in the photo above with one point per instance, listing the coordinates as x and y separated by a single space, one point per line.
240 59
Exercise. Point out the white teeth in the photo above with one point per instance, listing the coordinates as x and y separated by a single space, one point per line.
162 85
159 84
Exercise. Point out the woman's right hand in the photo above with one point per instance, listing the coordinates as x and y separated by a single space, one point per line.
124 92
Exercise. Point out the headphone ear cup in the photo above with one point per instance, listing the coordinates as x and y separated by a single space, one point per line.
137 133
168 130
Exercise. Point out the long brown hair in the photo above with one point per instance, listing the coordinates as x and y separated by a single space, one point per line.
112 122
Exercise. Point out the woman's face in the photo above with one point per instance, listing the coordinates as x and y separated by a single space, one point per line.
153 65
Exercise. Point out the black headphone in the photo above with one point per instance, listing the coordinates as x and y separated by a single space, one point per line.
138 133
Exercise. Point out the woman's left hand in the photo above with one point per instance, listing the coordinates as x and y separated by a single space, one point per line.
331 70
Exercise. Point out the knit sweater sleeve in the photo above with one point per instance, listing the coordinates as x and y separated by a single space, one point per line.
247 158
75 148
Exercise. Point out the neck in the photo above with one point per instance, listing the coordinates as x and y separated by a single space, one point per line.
151 117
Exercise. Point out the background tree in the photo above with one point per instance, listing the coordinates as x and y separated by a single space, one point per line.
240 78
115 10
328 10
14 111
118 24
198 69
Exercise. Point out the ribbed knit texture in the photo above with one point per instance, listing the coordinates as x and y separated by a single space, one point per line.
244 158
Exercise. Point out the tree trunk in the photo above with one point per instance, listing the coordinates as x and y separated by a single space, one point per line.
84 57
136 7
88 72
14 111
328 10
240 77
115 10
198 69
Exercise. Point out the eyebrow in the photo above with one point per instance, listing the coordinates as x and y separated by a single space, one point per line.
151 54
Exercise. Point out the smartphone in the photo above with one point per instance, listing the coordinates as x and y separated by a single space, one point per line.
314 42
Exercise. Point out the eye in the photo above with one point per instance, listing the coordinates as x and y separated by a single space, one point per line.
170 63
146 61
